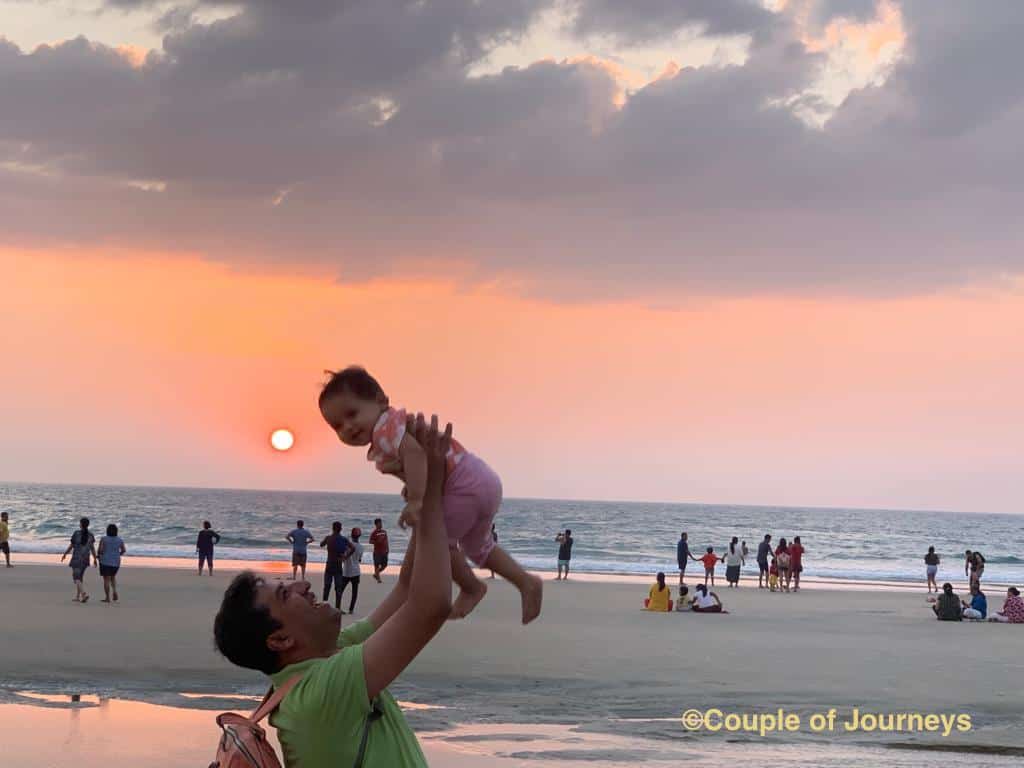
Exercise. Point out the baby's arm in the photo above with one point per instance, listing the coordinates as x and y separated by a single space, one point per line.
414 461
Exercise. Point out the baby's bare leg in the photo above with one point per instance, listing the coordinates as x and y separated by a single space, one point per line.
530 586
471 589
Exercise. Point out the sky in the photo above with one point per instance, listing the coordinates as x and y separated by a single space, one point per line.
729 251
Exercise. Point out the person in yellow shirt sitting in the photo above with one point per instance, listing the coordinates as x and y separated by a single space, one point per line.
660 596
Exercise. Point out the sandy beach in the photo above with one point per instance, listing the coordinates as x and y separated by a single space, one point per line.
594 661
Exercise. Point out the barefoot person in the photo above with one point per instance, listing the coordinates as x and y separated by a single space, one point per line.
109 553
357 409
339 711
204 546
683 556
705 601
764 551
338 548
351 570
81 548
796 561
5 538
564 554
931 568
379 542
299 538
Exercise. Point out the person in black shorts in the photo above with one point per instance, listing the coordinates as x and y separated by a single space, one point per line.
764 549
564 553
379 542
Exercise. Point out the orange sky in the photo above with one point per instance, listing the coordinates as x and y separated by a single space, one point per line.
160 370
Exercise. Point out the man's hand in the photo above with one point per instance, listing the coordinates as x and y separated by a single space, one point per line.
434 445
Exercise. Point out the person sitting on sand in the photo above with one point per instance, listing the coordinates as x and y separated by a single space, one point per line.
109 554
660 596
931 567
710 559
948 607
338 710
1013 609
706 602
978 608
83 544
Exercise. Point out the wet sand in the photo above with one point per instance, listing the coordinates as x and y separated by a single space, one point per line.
593 661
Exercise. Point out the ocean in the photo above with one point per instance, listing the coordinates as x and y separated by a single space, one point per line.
610 537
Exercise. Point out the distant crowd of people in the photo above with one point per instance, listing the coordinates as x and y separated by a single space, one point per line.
779 569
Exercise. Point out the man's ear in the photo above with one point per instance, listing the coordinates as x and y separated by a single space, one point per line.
279 641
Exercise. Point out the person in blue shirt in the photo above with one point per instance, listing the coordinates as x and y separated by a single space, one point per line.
978 609
683 555
299 538
109 554
338 548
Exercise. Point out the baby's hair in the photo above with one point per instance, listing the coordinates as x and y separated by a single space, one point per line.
356 381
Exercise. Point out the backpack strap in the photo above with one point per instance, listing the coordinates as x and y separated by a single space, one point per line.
376 713
272 699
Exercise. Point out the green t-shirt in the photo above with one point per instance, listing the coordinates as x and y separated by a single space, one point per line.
320 722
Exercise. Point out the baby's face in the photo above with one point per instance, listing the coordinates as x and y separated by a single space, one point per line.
352 418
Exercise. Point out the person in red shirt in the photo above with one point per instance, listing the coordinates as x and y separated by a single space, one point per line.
379 542
796 553
709 560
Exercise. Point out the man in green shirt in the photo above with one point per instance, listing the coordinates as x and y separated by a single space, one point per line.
283 631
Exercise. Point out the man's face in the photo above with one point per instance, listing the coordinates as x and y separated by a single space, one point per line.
306 625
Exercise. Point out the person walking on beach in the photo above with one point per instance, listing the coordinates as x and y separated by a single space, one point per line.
564 553
204 546
931 568
379 542
764 549
733 560
299 538
109 554
5 538
684 556
975 563
338 548
710 559
336 682
796 565
783 563
351 570
82 546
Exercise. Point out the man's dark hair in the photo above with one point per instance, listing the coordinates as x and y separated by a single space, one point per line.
767 537
376 521
336 527
241 628
568 532
299 523
354 380
206 524
111 530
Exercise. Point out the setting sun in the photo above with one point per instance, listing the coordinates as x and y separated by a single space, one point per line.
282 439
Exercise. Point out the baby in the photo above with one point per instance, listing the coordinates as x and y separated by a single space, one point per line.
354 405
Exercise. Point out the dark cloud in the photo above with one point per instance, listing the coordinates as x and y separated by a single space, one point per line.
352 135
645 21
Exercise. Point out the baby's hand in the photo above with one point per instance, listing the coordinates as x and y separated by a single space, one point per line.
410 515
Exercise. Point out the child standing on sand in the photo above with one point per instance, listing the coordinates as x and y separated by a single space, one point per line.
709 560
773 576
354 405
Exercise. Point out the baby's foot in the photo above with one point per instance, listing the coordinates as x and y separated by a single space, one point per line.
531 596
467 600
